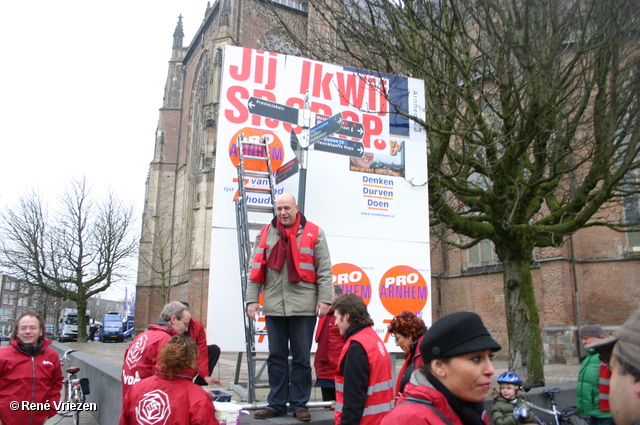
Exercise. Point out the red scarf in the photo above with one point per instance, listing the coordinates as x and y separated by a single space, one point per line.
286 249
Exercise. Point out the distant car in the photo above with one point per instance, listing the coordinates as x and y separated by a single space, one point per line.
5 337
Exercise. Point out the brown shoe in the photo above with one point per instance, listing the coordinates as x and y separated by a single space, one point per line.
265 414
302 415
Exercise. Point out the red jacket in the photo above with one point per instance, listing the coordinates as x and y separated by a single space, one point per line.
35 379
419 414
415 360
161 400
197 333
330 344
142 354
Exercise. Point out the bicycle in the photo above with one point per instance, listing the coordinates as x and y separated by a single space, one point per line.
75 390
566 416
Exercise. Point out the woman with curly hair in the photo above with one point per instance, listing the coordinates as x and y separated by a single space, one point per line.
407 329
170 397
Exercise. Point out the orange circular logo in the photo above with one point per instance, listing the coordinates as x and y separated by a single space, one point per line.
253 135
403 288
353 280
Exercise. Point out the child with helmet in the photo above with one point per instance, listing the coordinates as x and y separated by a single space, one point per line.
509 407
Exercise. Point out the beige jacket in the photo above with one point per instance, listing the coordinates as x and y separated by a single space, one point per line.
283 298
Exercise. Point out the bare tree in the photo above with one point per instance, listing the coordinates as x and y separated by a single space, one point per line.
531 117
162 260
75 252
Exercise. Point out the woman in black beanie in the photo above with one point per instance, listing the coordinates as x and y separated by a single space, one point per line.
456 377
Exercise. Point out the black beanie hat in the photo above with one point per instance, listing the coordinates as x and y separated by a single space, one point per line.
456 334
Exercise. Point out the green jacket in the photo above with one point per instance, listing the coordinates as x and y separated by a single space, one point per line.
502 411
588 391
301 298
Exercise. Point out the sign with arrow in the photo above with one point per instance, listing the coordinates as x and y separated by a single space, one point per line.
351 129
296 147
287 170
276 111
340 146
325 128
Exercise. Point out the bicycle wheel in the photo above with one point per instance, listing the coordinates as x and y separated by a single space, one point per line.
78 398
66 398
570 417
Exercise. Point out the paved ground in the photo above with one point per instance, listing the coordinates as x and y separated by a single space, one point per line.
226 369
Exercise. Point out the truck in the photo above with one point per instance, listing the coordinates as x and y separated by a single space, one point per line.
68 324
128 333
112 327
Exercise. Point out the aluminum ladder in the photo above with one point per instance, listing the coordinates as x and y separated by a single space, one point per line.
254 163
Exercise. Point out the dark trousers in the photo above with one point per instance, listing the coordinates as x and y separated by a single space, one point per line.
214 355
293 334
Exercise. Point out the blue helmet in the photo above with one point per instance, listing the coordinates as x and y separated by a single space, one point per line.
509 378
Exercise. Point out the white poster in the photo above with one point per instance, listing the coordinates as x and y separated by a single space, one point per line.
365 180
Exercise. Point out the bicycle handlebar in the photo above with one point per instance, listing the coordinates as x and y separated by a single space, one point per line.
528 387
65 356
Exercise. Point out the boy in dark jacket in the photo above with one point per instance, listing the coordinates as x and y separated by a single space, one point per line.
509 407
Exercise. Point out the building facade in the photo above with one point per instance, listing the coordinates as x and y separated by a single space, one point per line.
176 228
590 278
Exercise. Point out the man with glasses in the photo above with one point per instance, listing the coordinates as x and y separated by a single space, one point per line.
142 354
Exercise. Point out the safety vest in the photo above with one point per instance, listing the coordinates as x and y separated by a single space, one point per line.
380 398
305 261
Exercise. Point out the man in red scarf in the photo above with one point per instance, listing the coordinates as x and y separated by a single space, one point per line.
292 266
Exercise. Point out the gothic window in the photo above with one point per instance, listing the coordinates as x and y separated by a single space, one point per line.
278 43
300 5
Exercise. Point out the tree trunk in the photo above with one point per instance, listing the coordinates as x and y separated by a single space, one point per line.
523 323
81 305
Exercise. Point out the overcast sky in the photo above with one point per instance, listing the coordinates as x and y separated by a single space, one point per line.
82 82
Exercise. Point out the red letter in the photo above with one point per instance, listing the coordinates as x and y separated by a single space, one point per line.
244 73
306 76
321 83
235 95
372 128
350 95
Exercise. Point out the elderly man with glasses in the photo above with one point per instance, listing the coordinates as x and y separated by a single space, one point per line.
142 354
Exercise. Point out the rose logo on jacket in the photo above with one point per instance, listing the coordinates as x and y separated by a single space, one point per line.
135 351
47 362
153 408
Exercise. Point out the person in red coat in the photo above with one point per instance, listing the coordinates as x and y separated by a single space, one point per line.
208 355
407 329
456 377
29 372
169 397
330 344
142 354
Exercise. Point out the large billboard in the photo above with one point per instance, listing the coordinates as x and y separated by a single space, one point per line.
365 185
